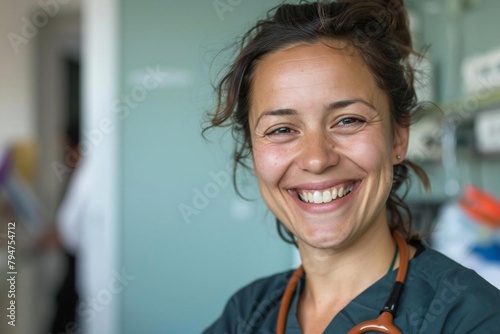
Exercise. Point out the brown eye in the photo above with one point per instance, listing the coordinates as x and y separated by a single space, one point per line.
281 130
350 120
282 134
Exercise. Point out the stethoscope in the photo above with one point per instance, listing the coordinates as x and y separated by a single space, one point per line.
384 323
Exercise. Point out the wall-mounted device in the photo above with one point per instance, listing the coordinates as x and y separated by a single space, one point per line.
481 74
425 140
487 132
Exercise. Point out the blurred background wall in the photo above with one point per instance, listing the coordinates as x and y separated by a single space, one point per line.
453 33
37 42
160 237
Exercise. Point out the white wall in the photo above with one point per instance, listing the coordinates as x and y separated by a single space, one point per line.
17 70
98 259
17 96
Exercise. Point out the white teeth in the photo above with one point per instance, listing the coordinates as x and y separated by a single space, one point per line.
325 196
334 193
318 197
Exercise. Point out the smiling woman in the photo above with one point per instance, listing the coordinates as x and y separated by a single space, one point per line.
321 96
334 142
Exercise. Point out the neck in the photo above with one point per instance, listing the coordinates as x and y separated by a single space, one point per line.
336 276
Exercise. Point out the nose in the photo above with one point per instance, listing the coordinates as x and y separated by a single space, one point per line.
318 153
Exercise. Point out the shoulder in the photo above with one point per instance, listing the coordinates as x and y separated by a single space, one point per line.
267 287
253 306
437 270
449 296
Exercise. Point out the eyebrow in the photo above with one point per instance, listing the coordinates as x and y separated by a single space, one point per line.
329 107
345 103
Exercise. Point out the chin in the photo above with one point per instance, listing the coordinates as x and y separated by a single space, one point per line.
325 239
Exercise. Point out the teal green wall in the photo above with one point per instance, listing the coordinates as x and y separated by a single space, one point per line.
184 271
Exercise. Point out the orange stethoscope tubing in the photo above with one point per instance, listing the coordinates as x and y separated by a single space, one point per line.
384 323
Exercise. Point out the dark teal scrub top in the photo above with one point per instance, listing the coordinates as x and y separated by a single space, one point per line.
439 296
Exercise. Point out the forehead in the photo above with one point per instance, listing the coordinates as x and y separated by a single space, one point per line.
324 51
312 72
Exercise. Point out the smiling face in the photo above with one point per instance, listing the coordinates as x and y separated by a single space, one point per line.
323 144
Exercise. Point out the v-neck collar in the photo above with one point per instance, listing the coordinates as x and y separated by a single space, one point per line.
365 306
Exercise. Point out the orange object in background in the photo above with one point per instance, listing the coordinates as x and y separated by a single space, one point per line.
481 206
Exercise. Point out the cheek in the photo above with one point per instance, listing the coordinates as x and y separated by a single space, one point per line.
372 152
270 163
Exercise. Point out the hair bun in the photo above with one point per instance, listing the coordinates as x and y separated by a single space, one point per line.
394 14
399 27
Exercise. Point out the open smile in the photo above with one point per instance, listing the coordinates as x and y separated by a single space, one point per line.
322 196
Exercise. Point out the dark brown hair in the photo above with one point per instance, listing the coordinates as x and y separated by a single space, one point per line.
377 30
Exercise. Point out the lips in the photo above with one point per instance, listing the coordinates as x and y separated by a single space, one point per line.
322 196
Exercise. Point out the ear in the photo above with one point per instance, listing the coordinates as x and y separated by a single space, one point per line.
400 143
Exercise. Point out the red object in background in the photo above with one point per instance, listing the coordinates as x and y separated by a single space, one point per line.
481 206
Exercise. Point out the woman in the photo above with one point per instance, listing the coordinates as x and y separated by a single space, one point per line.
322 97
